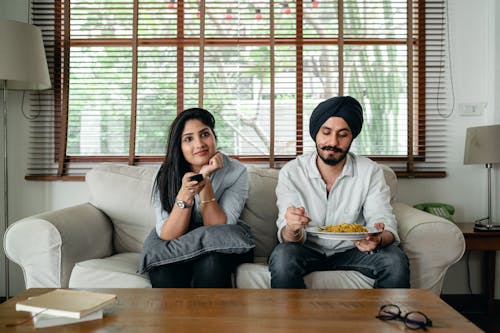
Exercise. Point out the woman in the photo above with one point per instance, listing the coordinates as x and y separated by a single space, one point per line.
184 204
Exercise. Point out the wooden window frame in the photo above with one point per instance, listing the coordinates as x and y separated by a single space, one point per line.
61 72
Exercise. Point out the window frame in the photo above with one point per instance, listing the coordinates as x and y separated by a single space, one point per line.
416 91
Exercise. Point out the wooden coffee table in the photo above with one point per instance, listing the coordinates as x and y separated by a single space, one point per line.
252 310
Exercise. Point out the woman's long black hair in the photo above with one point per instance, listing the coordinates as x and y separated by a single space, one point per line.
169 178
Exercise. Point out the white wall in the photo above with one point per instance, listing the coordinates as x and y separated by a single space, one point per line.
474 43
475 39
27 197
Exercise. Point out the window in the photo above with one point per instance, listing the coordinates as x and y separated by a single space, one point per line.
123 69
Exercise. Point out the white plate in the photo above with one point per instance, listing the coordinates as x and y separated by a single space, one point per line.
342 235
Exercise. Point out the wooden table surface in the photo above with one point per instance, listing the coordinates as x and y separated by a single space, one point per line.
252 310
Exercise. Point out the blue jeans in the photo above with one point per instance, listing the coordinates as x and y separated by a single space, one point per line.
290 262
211 270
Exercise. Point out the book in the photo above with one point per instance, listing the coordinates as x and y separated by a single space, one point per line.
66 303
41 320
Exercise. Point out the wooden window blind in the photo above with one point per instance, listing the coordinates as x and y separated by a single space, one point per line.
122 70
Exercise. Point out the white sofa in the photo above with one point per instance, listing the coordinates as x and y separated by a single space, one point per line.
97 244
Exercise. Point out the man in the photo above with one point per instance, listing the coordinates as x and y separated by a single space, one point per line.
331 186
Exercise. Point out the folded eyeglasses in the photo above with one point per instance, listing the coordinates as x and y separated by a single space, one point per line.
413 320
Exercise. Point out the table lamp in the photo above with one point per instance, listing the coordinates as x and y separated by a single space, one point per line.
482 146
23 66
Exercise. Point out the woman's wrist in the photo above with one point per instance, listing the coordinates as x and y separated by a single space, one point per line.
186 196
206 202
207 194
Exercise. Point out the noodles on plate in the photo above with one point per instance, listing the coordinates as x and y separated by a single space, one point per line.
344 227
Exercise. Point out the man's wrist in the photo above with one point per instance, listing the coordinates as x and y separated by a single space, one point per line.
379 243
296 235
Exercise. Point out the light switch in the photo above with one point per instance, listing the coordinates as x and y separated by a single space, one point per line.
471 109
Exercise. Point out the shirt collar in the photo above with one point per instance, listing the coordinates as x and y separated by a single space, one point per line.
348 169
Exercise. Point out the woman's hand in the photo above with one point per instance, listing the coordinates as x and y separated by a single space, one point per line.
189 188
215 163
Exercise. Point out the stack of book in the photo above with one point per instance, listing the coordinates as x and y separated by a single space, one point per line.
65 306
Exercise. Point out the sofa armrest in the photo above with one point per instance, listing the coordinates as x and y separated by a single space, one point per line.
431 243
48 245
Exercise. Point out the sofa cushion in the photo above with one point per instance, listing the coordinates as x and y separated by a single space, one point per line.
123 193
256 275
225 238
118 271
260 211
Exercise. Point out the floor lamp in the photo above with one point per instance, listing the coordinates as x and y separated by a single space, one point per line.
482 146
23 66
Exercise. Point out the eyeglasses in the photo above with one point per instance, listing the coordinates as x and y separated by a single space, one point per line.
413 319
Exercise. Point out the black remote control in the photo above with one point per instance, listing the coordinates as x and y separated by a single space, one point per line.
197 177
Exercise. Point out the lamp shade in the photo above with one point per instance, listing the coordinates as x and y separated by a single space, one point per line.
23 65
482 145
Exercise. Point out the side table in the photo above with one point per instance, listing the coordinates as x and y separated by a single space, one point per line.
489 242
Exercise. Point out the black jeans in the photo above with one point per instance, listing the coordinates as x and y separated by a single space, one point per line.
211 270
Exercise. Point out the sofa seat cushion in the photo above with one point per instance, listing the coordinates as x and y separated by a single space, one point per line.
256 275
117 271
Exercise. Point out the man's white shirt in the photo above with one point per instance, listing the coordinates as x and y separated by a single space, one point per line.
359 195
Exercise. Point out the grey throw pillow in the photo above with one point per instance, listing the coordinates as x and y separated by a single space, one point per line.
225 238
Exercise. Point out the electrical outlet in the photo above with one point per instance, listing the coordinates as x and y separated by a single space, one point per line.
471 109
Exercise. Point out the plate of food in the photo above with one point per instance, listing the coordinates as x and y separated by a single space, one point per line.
343 231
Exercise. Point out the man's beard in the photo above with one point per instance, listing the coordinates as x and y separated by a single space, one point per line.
331 160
